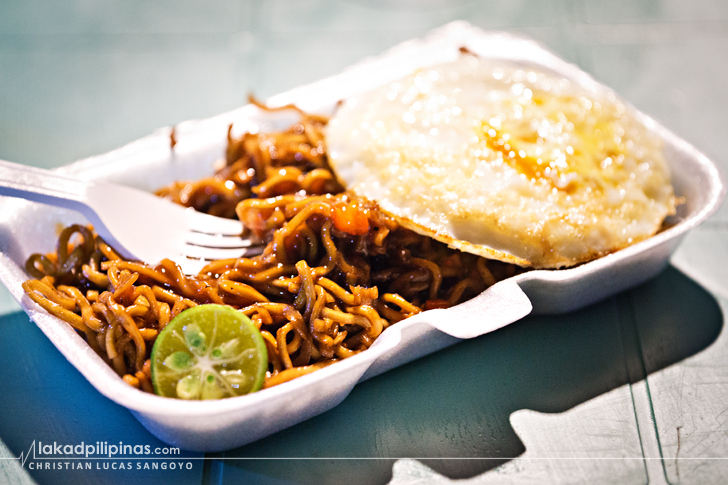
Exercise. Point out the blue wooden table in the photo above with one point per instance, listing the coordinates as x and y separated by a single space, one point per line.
631 390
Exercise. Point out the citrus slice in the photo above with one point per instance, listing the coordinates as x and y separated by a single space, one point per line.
208 352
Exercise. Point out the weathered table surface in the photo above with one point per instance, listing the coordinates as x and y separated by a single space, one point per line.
630 390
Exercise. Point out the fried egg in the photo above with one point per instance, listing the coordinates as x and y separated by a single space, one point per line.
506 162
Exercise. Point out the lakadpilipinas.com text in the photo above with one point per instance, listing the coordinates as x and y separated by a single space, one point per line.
102 455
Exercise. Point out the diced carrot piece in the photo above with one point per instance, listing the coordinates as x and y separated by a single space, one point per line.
432 304
351 219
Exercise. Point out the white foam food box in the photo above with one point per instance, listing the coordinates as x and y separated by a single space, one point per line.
149 163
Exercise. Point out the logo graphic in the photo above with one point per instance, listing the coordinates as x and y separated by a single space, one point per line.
101 455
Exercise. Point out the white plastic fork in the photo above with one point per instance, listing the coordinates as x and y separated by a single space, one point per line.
137 224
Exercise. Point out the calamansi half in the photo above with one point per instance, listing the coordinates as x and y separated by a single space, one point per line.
208 352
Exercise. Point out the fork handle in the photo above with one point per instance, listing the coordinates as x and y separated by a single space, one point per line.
40 185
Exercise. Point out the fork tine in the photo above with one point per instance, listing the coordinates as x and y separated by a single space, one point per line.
191 266
207 224
216 241
211 254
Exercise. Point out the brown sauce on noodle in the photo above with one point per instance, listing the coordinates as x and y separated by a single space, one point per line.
335 272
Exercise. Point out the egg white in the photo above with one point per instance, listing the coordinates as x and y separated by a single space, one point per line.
509 163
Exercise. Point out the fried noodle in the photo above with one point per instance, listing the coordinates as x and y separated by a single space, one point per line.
335 272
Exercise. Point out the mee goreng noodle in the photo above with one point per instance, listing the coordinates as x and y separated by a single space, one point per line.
335 271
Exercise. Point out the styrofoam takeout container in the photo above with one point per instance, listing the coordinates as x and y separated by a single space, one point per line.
149 163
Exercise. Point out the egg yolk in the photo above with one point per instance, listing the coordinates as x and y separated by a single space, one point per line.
571 139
